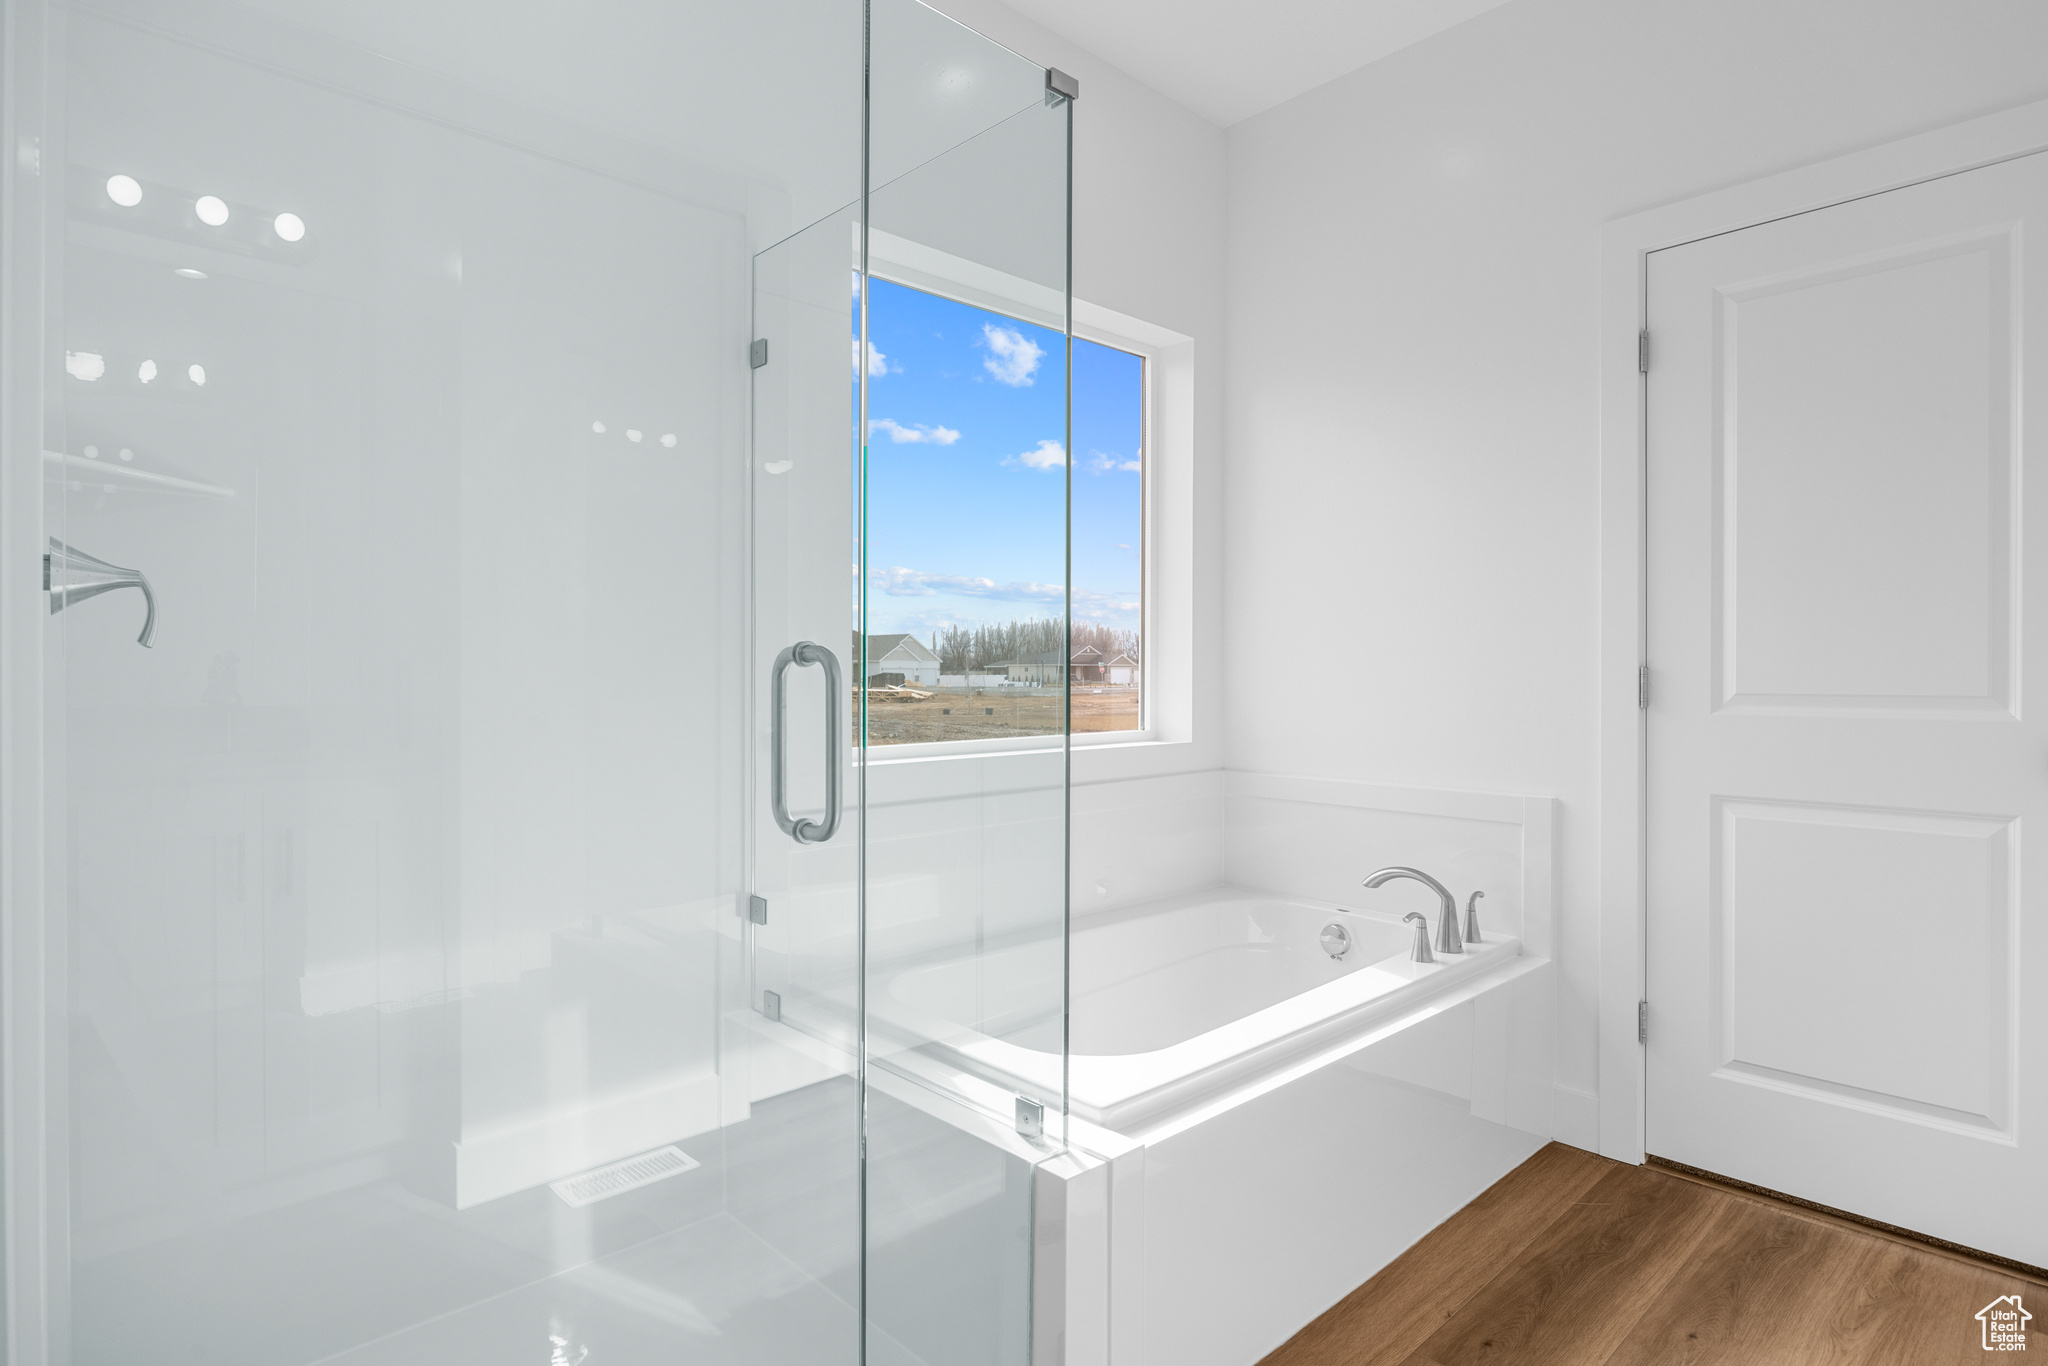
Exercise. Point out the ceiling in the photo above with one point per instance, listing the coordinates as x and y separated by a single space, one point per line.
1228 60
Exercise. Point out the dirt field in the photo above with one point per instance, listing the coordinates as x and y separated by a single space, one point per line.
987 713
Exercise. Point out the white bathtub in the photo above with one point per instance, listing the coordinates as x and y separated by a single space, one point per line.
1177 1000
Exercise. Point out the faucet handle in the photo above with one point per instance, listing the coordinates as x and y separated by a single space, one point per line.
1472 918
1420 953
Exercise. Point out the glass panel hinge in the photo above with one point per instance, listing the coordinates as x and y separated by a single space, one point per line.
1030 1118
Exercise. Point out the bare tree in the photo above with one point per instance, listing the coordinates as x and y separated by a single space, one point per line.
964 650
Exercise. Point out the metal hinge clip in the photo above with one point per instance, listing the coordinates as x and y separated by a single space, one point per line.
1030 1118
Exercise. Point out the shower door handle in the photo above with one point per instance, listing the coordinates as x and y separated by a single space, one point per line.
88 576
804 831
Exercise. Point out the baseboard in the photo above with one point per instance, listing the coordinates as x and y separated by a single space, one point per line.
1575 1117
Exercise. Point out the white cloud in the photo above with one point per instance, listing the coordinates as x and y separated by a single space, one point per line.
899 582
937 436
1103 464
878 364
1092 604
1050 455
1013 357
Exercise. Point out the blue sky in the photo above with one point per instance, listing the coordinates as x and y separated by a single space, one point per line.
966 468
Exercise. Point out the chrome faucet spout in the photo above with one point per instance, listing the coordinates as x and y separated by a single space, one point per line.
1447 940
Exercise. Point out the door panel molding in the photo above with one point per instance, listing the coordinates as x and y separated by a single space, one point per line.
1935 1047
1768 657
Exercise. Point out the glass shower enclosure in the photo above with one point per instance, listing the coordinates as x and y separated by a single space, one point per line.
452 910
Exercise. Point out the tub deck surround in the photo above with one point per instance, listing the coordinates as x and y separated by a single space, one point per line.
1183 998
1223 1067
1253 1128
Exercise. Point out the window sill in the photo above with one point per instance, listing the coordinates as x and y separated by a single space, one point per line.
881 755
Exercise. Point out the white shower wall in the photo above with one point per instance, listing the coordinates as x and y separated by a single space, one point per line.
418 662
596 725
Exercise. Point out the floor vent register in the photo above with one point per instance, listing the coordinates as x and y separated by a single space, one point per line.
627 1174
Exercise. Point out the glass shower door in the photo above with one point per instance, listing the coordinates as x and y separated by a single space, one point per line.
796 1034
397 880
483 920
966 527
909 868
966 867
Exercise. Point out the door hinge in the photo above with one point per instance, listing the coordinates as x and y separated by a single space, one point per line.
757 909
757 354
1642 1021
1030 1118
1643 688
1643 351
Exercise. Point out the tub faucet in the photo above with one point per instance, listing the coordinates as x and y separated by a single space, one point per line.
1447 940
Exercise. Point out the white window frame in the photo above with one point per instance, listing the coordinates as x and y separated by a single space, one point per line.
1166 563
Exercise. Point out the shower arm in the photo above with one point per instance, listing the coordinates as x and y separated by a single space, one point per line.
98 577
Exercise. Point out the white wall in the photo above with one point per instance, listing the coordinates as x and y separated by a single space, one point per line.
1412 292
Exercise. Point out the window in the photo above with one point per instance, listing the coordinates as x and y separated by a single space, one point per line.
967 525
1108 537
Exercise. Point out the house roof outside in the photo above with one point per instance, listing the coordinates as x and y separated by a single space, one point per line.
1085 657
901 646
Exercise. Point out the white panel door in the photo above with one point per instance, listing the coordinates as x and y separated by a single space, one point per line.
1848 762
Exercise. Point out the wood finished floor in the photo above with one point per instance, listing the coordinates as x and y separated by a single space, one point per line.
1575 1260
